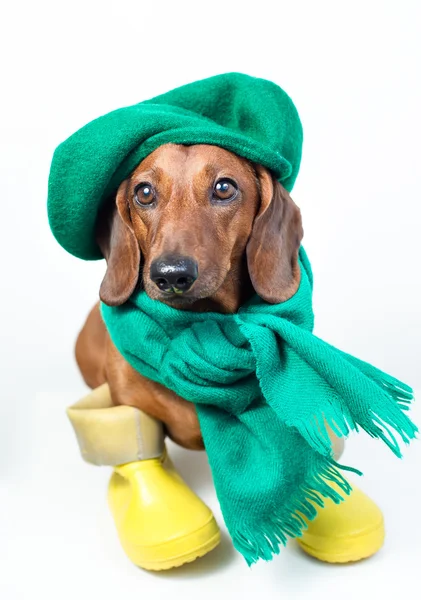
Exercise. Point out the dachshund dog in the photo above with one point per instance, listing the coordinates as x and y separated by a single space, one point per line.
200 229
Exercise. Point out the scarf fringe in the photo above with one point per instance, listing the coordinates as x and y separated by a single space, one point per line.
398 398
289 521
393 416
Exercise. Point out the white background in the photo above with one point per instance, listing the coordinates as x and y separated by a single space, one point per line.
353 70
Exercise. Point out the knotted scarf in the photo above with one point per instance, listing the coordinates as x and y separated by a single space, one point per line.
264 388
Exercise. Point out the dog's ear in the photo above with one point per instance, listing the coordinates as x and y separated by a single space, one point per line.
118 243
272 250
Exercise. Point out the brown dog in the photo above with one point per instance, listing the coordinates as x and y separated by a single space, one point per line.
201 229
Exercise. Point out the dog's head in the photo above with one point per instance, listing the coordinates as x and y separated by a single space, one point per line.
188 218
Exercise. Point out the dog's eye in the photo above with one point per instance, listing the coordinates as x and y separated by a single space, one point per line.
144 194
225 190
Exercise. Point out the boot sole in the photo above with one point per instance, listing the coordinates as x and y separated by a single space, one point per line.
353 549
178 561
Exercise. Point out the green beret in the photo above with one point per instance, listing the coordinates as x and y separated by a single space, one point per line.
251 117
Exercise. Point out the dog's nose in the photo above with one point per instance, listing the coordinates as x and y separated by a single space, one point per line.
174 273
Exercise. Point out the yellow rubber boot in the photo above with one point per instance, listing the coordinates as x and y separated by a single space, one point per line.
345 532
161 523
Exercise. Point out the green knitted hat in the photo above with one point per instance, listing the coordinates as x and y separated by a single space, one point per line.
251 117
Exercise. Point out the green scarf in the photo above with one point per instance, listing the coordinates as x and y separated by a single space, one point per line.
264 388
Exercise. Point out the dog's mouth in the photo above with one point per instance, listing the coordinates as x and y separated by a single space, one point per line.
175 297
177 300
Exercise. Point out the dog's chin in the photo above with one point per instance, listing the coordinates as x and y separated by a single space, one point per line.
177 300
181 301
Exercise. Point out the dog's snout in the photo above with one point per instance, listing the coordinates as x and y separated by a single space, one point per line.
174 274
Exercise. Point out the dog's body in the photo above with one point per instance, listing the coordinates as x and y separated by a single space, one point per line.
223 225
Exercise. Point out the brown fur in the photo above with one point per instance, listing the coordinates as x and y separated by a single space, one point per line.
249 244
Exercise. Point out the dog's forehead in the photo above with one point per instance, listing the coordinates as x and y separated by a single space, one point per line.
175 159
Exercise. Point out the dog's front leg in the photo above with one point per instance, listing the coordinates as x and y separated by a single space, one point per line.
129 388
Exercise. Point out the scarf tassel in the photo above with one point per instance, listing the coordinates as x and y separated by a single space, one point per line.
390 417
290 521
